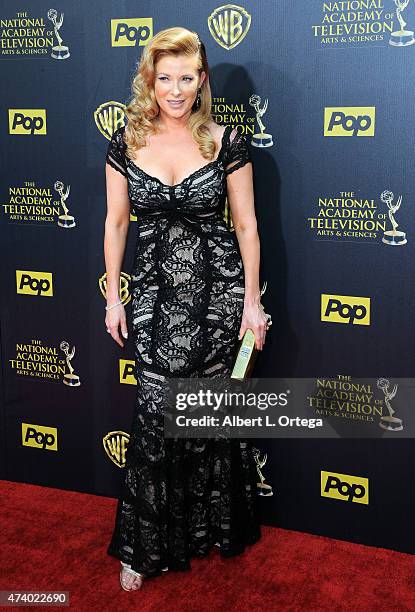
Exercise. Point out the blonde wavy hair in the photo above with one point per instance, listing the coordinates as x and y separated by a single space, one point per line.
143 108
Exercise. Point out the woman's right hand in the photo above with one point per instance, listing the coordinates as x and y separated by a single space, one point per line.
114 319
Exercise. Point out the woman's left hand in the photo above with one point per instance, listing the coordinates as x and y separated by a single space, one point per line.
254 317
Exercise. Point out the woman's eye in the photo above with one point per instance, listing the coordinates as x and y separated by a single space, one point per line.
184 78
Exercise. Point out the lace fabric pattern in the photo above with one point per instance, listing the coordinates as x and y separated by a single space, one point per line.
180 497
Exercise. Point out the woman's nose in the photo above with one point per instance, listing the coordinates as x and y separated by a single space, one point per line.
175 88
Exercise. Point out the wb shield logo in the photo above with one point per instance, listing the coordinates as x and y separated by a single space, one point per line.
131 32
34 283
115 445
124 288
109 117
345 487
229 24
345 309
27 121
349 121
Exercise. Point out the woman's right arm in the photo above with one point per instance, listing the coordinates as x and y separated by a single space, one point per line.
115 237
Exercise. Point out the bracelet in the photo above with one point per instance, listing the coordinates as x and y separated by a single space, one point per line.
112 306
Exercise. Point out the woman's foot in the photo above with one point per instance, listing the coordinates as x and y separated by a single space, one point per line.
129 579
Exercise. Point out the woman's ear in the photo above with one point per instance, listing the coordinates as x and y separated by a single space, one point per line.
202 77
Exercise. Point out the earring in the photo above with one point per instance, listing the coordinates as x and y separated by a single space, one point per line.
197 101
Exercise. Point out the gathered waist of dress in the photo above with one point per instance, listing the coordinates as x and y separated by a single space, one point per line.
159 221
145 215
209 225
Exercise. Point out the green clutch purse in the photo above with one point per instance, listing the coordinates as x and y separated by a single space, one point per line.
245 357
247 353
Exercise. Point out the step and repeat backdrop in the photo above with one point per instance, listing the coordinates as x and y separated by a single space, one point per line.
323 92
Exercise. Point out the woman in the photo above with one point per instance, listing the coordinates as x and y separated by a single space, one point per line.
194 285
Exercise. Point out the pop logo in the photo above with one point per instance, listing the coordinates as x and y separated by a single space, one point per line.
345 309
27 121
345 487
131 32
39 436
127 372
349 121
34 283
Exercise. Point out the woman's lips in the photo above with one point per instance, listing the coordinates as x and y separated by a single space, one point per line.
175 102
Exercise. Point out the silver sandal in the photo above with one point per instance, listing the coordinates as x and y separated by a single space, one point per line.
126 569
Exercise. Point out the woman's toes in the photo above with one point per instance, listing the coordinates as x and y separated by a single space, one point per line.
128 580
131 582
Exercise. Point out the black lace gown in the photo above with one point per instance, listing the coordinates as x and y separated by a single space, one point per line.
180 497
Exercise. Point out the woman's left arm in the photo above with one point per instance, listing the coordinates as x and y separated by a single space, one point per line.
241 201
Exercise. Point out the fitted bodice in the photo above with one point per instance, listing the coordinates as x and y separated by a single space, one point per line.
201 194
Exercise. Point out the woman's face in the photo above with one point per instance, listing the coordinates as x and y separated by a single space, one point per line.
176 83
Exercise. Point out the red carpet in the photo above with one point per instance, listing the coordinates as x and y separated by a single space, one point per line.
56 540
